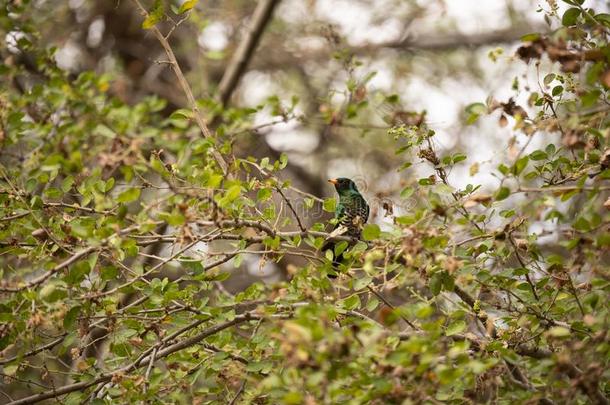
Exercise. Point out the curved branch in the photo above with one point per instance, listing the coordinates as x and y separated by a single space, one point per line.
279 58
186 88
141 361
243 54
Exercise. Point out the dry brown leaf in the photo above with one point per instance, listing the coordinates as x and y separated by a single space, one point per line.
481 198
474 168
521 243
470 204
389 209
82 365
452 264
572 139
503 121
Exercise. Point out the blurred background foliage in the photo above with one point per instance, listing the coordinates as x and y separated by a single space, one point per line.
163 201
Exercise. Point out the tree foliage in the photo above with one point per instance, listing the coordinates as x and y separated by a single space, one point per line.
120 224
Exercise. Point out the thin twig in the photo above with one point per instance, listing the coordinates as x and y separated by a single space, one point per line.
527 276
149 368
301 227
239 391
72 259
143 359
186 88
386 302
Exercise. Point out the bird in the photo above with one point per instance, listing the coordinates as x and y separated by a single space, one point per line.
351 213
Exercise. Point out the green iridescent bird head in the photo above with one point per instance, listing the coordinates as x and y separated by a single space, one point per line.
344 186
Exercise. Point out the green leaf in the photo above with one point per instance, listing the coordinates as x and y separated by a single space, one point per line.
530 37
36 202
187 5
362 282
538 155
372 304
292 398
104 131
53 292
371 232
474 111
53 193
158 166
340 248
455 328
11 369
477 108
71 317
407 192
502 193
109 273
424 311
567 195
557 90
109 184
502 168
283 161
581 224
77 273
67 183
520 165
458 157
273 243
150 21
263 194
233 192
436 283
154 16
559 331
129 195
570 17
350 303
425 181
174 218
603 18
329 205
82 227
182 114
265 163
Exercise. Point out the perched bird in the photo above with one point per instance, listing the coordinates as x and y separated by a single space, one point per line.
351 212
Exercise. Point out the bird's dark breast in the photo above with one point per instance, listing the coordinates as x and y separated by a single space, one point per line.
355 215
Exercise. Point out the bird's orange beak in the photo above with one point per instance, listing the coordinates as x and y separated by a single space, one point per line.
334 181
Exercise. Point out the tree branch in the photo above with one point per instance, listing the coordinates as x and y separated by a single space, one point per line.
142 360
449 42
423 42
186 88
243 54
72 259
